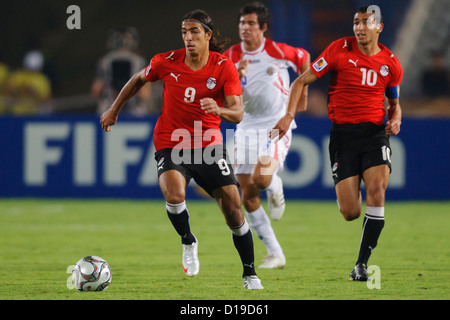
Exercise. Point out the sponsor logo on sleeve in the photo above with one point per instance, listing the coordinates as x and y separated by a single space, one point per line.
320 64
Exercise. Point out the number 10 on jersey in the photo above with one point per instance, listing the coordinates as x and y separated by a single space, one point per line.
369 77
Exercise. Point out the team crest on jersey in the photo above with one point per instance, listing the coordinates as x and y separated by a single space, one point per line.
320 64
211 83
384 70
270 71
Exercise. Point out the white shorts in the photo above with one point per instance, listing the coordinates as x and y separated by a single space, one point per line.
250 144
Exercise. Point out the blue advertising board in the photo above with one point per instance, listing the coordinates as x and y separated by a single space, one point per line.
71 157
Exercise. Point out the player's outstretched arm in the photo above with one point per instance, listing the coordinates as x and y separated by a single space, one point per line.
294 100
302 103
109 117
233 113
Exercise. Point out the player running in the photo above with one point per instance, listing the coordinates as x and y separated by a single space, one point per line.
198 80
263 69
364 72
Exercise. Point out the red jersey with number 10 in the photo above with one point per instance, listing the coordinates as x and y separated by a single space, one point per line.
358 83
182 123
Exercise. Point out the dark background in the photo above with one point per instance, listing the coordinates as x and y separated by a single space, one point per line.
71 55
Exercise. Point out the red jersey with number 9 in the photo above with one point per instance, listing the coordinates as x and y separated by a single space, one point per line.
358 82
182 123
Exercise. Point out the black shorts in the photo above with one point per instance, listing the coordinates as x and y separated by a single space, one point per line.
209 167
356 147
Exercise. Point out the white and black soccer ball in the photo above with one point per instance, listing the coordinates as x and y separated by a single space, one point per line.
91 273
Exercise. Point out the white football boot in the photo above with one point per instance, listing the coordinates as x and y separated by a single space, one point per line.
272 261
276 201
191 264
252 283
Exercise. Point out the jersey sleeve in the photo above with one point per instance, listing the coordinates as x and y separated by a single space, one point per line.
328 59
397 73
393 88
152 70
296 56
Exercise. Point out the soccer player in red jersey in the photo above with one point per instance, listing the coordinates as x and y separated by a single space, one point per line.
198 80
364 72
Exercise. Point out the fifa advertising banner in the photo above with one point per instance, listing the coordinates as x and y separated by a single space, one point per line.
71 157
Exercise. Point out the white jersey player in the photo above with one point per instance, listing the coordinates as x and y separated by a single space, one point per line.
263 69
266 82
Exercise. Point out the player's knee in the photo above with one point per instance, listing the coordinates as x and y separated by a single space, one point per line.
251 204
234 217
350 214
174 196
233 213
229 202
261 181
375 193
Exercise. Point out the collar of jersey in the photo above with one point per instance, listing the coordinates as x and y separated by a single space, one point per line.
260 49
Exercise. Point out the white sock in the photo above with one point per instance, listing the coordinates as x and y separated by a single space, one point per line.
242 229
274 184
176 208
376 213
260 223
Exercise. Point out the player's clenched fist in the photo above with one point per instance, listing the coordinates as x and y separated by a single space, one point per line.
107 119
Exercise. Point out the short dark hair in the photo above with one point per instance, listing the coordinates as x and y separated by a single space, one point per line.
363 9
216 43
260 9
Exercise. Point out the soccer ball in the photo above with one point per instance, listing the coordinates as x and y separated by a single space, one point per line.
91 273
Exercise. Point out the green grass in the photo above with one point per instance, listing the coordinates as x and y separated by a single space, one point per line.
39 239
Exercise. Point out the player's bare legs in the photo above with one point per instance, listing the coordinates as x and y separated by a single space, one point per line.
264 170
375 180
229 201
251 198
251 186
173 187
348 194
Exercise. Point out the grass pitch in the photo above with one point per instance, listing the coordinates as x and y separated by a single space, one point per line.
40 239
